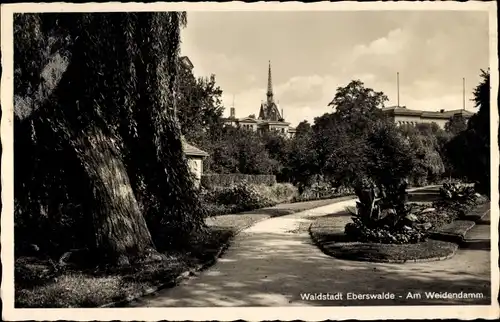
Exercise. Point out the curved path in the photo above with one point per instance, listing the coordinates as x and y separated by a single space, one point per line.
274 262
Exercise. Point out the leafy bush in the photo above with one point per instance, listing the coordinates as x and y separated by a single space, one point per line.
457 199
235 198
214 209
322 190
245 197
278 193
457 192
224 180
382 216
384 234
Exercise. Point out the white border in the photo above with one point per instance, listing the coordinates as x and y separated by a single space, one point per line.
227 314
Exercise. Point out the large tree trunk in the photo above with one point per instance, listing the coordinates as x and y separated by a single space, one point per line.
120 229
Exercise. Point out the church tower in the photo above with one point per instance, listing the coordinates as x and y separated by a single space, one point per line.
269 110
270 98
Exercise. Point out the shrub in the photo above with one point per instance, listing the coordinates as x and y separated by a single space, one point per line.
245 197
457 199
382 216
236 198
224 180
457 192
322 190
214 209
384 234
278 193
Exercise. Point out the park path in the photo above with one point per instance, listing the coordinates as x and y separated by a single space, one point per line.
273 262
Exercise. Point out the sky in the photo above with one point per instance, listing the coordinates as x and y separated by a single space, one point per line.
314 53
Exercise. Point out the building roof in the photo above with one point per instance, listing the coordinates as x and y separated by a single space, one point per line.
269 112
191 150
248 120
402 110
275 122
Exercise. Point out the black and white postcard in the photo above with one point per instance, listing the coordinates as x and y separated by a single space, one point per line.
249 161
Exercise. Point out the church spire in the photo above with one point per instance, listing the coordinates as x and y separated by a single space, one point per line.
269 86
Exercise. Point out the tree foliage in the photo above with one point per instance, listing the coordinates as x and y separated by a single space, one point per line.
95 127
358 106
303 128
199 107
470 150
456 124
424 144
240 151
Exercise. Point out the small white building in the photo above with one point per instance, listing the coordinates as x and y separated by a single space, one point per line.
195 158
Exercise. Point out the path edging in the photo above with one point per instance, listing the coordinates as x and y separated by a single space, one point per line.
459 236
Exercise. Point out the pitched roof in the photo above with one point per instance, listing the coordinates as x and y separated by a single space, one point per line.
248 120
191 150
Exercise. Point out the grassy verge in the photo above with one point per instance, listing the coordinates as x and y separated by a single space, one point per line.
37 285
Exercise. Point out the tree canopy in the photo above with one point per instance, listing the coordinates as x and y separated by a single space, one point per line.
95 127
469 151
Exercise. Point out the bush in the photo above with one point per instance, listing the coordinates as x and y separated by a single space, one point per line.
236 198
457 192
382 216
245 197
457 199
214 209
224 180
323 190
278 193
384 235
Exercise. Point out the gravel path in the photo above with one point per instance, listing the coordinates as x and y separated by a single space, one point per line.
273 263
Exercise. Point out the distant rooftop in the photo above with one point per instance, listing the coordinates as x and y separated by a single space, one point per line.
402 110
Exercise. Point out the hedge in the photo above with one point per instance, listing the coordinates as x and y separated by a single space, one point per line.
224 180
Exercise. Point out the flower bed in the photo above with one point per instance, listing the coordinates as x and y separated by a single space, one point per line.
388 230
326 233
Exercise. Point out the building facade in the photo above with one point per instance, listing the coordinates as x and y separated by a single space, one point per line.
195 158
270 118
401 115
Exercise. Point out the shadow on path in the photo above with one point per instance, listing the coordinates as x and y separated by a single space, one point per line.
274 262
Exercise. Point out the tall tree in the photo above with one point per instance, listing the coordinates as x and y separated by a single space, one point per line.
340 138
456 124
241 151
302 164
303 128
199 107
470 150
358 106
110 116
